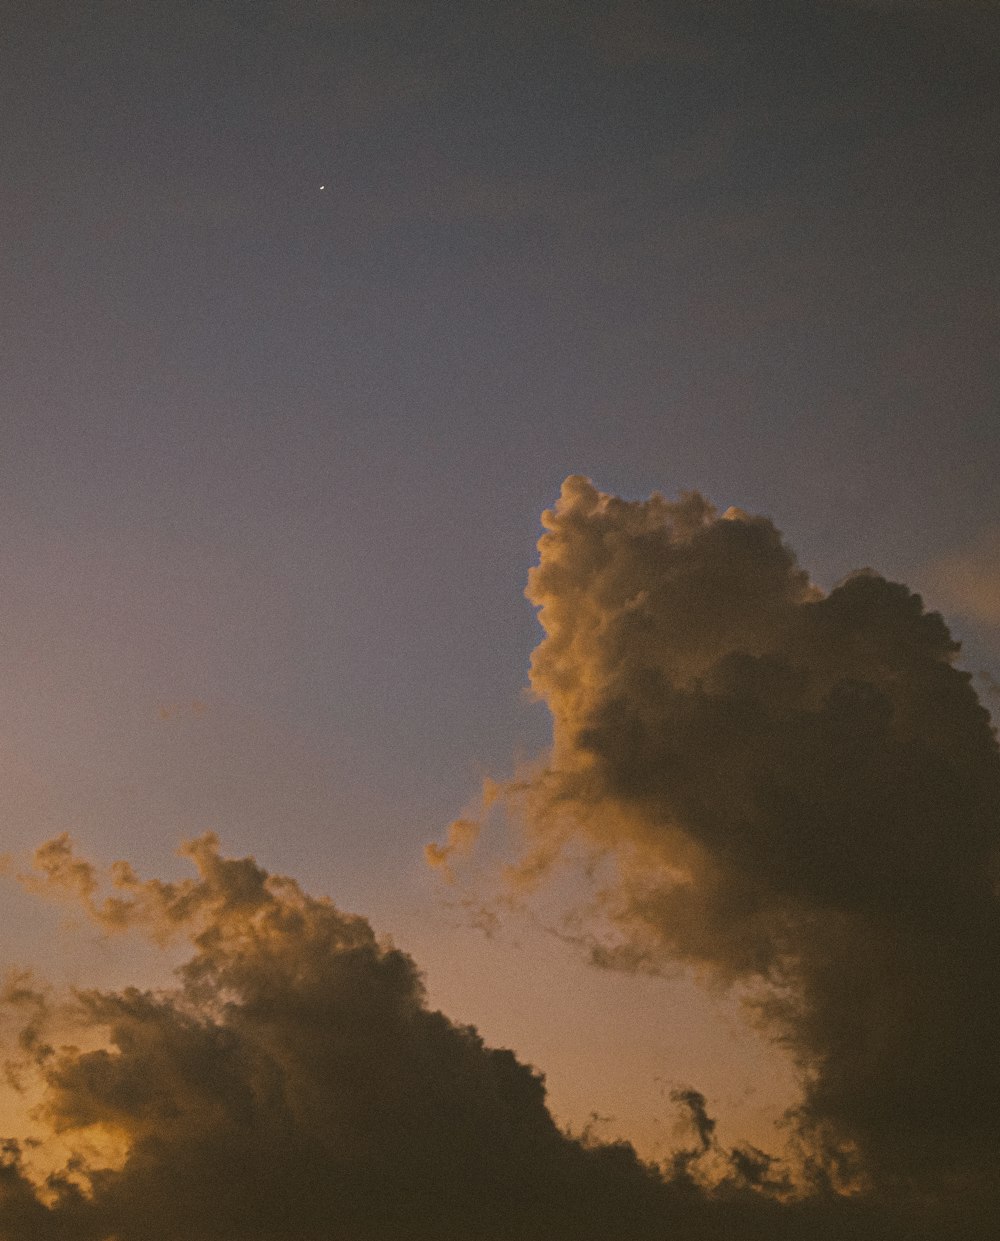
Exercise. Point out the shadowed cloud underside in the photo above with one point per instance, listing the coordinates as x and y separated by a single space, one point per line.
796 792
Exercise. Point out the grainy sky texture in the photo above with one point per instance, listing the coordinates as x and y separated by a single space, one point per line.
309 310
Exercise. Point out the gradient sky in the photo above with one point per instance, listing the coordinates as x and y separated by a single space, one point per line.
274 455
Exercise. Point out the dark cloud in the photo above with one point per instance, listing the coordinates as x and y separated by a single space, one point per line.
798 792
294 1084
792 792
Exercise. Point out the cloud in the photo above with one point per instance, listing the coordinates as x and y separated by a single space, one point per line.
792 792
294 1083
462 835
796 792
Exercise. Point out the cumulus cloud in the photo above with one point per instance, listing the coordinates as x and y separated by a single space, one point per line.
793 792
294 1084
796 792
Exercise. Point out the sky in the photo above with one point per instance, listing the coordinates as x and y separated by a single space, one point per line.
310 311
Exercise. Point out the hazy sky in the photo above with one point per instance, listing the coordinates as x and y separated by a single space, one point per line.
308 311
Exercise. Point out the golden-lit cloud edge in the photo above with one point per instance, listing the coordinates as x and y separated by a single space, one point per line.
294 1083
791 792
795 793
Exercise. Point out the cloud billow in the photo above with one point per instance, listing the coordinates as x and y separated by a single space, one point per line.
294 1084
799 793
795 793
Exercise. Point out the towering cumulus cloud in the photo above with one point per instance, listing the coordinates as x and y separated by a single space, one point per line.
796 791
793 792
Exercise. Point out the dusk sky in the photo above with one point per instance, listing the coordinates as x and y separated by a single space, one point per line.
310 310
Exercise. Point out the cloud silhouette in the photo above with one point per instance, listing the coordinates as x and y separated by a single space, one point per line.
294 1084
793 792
797 792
